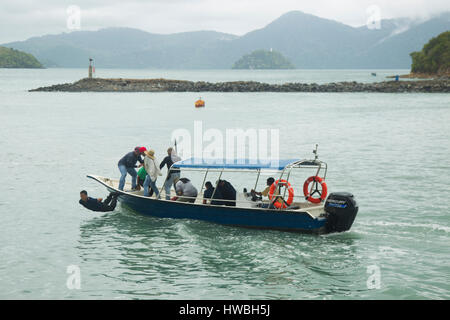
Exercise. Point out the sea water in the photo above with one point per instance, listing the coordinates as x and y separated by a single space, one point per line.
390 150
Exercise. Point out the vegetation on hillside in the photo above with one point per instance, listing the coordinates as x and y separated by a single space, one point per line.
434 57
263 59
11 58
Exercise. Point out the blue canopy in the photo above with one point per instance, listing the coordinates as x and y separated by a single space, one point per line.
251 164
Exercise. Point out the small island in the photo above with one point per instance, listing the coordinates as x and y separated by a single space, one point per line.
11 58
263 59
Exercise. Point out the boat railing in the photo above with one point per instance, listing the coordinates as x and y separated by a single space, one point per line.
283 174
253 204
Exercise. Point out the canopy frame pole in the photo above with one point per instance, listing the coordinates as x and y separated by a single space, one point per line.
287 181
281 176
257 179
203 184
214 192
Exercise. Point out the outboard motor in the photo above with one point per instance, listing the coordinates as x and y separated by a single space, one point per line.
341 209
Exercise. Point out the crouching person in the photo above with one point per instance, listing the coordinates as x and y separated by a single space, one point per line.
185 190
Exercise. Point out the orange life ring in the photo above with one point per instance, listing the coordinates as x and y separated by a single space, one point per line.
275 201
323 193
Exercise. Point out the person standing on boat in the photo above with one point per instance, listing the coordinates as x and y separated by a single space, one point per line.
98 204
185 190
151 165
173 173
228 192
128 164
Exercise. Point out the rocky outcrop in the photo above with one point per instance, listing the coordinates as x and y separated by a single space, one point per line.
161 85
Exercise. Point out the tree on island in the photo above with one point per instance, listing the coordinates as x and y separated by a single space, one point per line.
263 59
11 58
434 57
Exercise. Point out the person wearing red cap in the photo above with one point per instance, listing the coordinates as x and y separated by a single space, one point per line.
128 164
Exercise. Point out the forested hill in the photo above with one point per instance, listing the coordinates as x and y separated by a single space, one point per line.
11 58
434 57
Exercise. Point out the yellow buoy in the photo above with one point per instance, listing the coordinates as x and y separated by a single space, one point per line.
199 103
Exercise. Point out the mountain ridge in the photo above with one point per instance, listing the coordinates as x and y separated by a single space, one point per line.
306 40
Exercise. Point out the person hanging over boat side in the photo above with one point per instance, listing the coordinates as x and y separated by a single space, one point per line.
151 166
127 165
185 190
98 204
172 173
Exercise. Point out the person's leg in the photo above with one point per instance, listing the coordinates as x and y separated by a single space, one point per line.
154 189
132 172
111 206
108 199
123 175
166 187
168 184
146 184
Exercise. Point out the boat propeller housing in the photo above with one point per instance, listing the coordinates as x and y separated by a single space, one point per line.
341 209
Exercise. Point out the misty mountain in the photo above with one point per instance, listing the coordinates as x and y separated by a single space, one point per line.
306 40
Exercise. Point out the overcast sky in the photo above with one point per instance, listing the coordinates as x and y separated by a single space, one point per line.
21 19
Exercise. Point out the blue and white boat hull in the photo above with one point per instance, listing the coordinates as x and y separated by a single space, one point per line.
286 220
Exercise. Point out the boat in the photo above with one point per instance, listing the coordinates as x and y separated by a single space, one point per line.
311 212
199 103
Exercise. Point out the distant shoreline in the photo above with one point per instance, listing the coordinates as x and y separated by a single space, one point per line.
167 85
419 76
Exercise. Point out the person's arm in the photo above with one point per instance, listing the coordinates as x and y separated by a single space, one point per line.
256 192
163 163
265 193
141 162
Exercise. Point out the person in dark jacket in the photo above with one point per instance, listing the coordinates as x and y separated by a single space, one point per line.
227 191
212 193
128 164
98 204
173 173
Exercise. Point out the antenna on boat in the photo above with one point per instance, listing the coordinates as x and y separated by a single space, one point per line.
316 156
